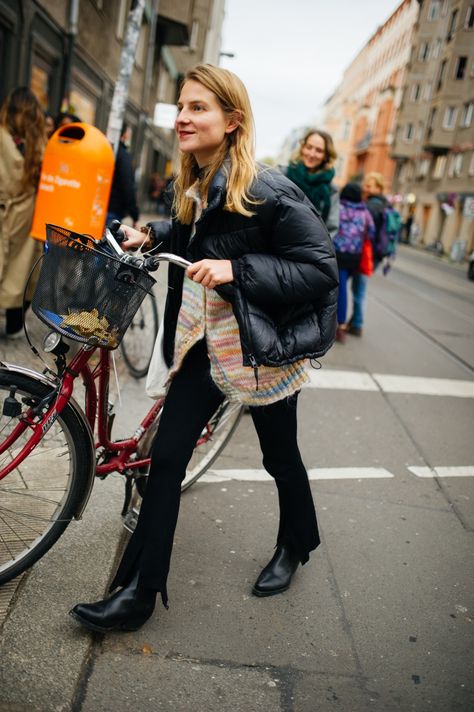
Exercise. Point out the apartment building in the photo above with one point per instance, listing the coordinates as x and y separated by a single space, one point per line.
434 143
360 114
68 52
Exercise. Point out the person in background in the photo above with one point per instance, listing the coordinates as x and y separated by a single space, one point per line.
355 227
258 300
49 124
66 117
376 202
155 191
123 200
22 141
312 171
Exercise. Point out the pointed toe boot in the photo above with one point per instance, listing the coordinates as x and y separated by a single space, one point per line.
277 574
126 610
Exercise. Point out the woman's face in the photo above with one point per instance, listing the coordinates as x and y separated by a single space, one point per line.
201 125
313 152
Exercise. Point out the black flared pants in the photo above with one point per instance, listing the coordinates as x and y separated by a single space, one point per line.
192 399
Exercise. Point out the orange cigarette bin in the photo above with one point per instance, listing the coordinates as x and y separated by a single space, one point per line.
75 182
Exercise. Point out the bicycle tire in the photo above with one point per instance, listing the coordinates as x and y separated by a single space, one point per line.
215 436
40 497
139 339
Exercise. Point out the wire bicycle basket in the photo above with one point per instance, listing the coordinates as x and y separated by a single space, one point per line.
84 293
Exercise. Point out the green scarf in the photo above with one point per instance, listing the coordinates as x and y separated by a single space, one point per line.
317 186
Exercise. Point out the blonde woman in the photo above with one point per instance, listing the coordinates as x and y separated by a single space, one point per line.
22 140
257 302
312 169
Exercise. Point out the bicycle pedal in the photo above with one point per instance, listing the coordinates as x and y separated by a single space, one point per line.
130 520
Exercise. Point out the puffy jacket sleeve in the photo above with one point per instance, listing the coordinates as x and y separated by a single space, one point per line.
162 232
301 264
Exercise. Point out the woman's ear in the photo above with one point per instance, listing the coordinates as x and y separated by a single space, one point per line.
234 121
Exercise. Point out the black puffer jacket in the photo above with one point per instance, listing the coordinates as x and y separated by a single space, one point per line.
284 293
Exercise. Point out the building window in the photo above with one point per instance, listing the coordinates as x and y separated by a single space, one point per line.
442 71
469 23
122 18
436 49
415 92
449 120
466 116
429 127
457 164
423 167
452 25
460 70
471 165
433 10
409 132
427 91
439 167
424 52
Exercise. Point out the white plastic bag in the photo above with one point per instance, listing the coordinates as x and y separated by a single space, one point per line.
157 375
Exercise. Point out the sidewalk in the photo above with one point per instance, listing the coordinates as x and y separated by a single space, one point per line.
380 618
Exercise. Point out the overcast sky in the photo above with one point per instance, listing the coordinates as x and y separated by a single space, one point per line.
291 55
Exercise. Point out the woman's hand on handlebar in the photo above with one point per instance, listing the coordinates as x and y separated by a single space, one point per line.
133 238
211 273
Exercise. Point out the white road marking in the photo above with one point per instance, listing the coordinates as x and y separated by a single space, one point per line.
337 473
467 471
318 473
425 386
389 383
349 380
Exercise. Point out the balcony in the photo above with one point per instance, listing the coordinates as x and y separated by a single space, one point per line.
438 141
363 145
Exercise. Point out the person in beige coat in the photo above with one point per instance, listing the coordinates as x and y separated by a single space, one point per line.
22 140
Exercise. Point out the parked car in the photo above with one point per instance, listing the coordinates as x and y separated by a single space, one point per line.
470 267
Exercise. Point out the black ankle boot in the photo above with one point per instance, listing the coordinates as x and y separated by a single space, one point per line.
128 609
277 574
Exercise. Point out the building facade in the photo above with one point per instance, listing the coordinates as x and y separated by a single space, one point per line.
68 52
360 115
434 140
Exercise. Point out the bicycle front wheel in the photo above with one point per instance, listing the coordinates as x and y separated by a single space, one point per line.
39 498
213 439
139 339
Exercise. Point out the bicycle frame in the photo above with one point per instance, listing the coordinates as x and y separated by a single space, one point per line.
96 412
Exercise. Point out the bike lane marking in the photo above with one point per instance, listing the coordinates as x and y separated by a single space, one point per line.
467 471
337 473
390 383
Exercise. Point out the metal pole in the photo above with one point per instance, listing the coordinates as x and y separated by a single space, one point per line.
127 58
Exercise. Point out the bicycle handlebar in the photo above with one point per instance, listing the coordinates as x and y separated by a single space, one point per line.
114 236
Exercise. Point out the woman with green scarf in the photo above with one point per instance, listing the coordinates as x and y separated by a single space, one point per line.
312 171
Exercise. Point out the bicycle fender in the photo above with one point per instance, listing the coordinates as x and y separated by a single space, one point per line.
78 414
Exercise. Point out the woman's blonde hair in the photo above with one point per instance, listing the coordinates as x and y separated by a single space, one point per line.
238 146
22 116
377 178
330 153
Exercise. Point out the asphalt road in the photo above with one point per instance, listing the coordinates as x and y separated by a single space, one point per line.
380 618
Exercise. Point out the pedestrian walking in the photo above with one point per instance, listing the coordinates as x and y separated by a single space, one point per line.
376 202
123 199
312 170
22 141
258 300
356 227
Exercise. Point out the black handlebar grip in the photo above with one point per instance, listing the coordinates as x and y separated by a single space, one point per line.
114 228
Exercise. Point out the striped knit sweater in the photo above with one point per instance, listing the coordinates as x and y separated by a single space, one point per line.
204 314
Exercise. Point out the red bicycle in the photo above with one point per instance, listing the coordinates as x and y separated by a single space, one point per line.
51 449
